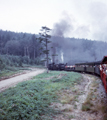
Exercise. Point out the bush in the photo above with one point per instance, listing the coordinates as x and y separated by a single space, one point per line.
2 64
17 61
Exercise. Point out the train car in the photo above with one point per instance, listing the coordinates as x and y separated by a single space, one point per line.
98 68
93 67
85 67
103 72
89 67
69 67
80 67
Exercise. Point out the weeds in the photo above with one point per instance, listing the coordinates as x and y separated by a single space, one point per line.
66 99
31 99
71 117
87 106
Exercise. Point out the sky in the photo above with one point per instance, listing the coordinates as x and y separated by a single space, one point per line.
75 18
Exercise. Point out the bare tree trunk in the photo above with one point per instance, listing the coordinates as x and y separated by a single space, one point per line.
7 51
34 53
47 56
27 52
0 51
47 63
24 51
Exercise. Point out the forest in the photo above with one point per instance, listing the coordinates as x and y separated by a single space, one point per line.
17 49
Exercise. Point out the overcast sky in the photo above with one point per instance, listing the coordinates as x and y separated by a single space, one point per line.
85 18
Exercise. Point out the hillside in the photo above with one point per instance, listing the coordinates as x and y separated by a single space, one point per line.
68 50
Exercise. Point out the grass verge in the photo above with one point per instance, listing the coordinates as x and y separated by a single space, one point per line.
31 99
10 71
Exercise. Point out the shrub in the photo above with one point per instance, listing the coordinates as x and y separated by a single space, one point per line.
17 61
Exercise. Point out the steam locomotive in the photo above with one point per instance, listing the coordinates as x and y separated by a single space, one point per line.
98 68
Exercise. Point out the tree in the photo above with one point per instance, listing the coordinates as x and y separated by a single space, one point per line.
12 47
44 39
55 45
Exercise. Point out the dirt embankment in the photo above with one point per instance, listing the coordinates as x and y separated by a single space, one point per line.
85 101
4 84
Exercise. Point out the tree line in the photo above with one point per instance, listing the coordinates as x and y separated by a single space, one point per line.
27 48
19 44
37 48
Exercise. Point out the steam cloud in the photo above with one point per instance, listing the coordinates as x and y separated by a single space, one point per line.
73 49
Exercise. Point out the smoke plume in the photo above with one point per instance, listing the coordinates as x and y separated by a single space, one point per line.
74 50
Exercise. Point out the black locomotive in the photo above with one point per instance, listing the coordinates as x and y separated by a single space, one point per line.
54 66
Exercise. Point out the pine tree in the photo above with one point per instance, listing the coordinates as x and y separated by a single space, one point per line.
44 39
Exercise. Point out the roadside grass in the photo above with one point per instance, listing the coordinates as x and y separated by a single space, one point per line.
31 99
34 65
9 71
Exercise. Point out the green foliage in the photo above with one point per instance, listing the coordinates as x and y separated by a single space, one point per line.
16 61
86 107
31 99
44 40
2 65
19 44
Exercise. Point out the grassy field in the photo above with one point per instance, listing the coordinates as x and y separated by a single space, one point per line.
31 100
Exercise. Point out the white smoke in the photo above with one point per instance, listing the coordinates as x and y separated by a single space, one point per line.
62 56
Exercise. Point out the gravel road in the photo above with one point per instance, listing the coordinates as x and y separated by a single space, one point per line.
13 81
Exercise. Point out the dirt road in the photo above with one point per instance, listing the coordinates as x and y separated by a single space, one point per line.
13 81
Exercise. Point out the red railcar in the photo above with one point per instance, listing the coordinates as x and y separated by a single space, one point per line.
103 74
